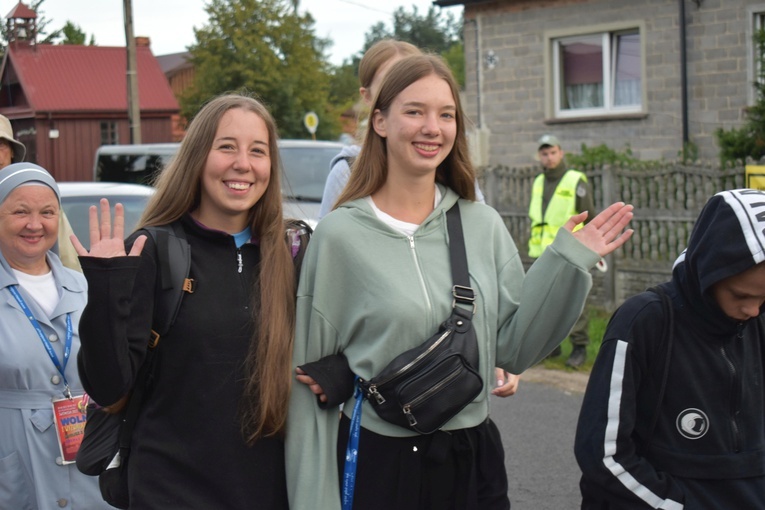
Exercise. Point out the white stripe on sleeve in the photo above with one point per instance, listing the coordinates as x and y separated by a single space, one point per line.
612 431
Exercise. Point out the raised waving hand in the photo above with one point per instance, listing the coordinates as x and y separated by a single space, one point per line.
107 239
606 231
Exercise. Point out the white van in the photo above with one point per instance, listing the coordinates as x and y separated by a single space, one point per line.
132 163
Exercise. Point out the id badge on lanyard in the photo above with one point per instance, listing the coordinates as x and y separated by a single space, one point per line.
69 411
69 416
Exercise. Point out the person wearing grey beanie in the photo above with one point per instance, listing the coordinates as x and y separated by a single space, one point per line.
41 303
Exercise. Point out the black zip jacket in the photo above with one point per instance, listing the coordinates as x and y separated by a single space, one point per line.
188 450
689 434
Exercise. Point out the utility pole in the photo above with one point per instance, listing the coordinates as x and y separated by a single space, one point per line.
134 109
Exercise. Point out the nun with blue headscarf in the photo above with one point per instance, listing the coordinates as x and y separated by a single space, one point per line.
41 398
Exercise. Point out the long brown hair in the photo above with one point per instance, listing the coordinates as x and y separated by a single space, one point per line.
268 363
370 169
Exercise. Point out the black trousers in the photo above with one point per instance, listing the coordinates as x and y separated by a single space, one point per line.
456 470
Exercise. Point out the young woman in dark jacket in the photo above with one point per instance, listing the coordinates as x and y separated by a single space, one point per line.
210 433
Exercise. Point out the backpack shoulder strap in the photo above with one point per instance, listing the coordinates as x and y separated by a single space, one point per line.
348 159
174 264
666 343
298 235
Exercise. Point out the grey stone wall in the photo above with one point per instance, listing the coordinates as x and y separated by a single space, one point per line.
514 98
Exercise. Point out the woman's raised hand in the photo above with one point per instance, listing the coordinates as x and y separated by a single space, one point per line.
605 232
107 240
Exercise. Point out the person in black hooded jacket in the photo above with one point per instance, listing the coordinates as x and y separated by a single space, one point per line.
674 412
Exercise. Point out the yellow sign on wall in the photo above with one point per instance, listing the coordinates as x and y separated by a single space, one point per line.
755 177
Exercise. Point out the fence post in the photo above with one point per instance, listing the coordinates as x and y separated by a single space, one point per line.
490 187
609 278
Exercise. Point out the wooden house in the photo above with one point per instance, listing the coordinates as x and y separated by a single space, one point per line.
64 101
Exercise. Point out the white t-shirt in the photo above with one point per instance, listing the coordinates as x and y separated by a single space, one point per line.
402 226
42 288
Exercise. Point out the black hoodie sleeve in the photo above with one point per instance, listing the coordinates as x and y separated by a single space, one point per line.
334 376
115 325
614 474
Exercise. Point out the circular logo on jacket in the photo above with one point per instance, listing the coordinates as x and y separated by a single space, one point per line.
692 423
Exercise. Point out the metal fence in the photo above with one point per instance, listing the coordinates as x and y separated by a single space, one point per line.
667 198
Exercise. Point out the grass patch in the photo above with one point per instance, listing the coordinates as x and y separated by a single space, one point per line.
597 328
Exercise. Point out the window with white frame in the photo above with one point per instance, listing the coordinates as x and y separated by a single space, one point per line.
597 74
109 133
757 46
754 72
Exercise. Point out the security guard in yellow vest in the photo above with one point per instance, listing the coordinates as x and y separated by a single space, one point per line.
557 194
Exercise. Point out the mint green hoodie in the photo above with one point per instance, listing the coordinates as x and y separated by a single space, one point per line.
371 293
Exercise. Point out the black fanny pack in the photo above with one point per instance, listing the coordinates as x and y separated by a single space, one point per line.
425 387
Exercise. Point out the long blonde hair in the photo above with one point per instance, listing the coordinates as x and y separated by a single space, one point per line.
370 169
268 363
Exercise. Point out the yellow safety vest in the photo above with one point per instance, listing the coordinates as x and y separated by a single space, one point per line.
561 207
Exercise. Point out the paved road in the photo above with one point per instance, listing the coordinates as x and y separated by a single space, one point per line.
537 426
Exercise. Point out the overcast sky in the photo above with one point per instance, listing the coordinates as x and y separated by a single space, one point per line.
169 23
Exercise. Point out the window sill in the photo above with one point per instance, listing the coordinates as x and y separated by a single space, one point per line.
597 118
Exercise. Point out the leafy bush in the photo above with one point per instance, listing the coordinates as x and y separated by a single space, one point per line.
597 156
749 140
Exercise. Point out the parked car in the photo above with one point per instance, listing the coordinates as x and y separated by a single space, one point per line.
77 197
305 165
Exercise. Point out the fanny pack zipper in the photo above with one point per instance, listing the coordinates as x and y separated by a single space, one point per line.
407 408
373 388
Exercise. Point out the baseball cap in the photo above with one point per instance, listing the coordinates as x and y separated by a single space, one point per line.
551 140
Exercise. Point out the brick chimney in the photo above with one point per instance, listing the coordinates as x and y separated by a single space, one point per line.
141 41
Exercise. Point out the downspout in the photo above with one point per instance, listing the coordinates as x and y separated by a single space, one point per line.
683 75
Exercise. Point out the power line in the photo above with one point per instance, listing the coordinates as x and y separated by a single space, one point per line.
357 4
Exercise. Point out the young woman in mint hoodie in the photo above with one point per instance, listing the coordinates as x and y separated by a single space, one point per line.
376 281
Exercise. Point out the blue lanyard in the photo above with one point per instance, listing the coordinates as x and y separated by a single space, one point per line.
352 452
46 343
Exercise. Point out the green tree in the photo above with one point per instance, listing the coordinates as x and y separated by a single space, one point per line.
434 31
748 140
455 57
265 47
344 85
73 34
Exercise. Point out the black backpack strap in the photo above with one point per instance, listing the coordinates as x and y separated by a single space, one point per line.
298 235
174 263
666 342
